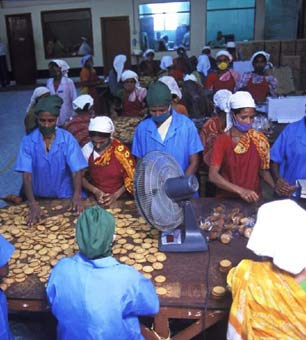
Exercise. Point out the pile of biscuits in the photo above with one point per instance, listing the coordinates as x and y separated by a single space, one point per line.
125 127
223 224
39 247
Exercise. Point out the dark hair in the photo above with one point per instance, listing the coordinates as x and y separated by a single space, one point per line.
237 111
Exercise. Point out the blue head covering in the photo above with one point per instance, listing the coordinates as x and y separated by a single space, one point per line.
85 58
6 251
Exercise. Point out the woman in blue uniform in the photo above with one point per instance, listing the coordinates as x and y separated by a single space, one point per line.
50 160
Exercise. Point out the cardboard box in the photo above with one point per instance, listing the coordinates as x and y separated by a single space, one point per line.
273 47
294 62
288 47
258 45
300 47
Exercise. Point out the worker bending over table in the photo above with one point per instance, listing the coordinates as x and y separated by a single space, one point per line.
241 155
91 294
50 160
111 166
269 297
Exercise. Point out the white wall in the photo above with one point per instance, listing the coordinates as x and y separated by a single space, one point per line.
106 8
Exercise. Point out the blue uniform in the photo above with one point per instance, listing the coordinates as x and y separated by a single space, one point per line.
52 171
182 139
6 251
289 150
99 299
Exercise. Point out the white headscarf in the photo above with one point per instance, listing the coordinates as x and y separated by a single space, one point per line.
203 64
190 77
280 233
241 99
166 61
38 92
231 44
172 85
221 100
118 64
101 124
128 74
62 64
149 50
206 47
81 101
265 54
225 53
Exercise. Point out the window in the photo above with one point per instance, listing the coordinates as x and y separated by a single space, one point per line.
67 33
234 18
164 26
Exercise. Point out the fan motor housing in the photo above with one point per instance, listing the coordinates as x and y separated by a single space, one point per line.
181 188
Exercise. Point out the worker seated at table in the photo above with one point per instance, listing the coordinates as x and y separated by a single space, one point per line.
111 166
50 160
90 80
203 66
166 130
166 67
224 78
269 295
149 67
288 155
6 251
241 155
217 124
30 122
181 64
132 95
114 77
258 82
206 50
78 125
91 294
176 93
194 97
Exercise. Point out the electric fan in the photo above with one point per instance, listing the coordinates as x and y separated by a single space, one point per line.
162 195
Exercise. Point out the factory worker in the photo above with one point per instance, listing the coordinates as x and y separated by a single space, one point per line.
148 67
64 87
176 94
258 82
111 166
115 73
269 294
167 131
115 294
132 95
223 77
241 155
50 160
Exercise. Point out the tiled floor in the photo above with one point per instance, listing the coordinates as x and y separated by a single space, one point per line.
13 106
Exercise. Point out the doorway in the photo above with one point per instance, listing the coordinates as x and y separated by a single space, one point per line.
21 46
116 39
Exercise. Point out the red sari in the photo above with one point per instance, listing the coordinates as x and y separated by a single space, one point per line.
113 169
240 163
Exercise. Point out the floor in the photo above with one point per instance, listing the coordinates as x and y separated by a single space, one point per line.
13 104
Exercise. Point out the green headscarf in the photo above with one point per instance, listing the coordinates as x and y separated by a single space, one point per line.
51 104
95 230
158 95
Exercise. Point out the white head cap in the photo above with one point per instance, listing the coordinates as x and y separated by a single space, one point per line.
241 99
38 92
166 61
263 53
221 100
203 64
225 53
190 77
81 101
231 44
206 47
118 64
101 124
149 50
128 74
172 85
280 233
63 65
